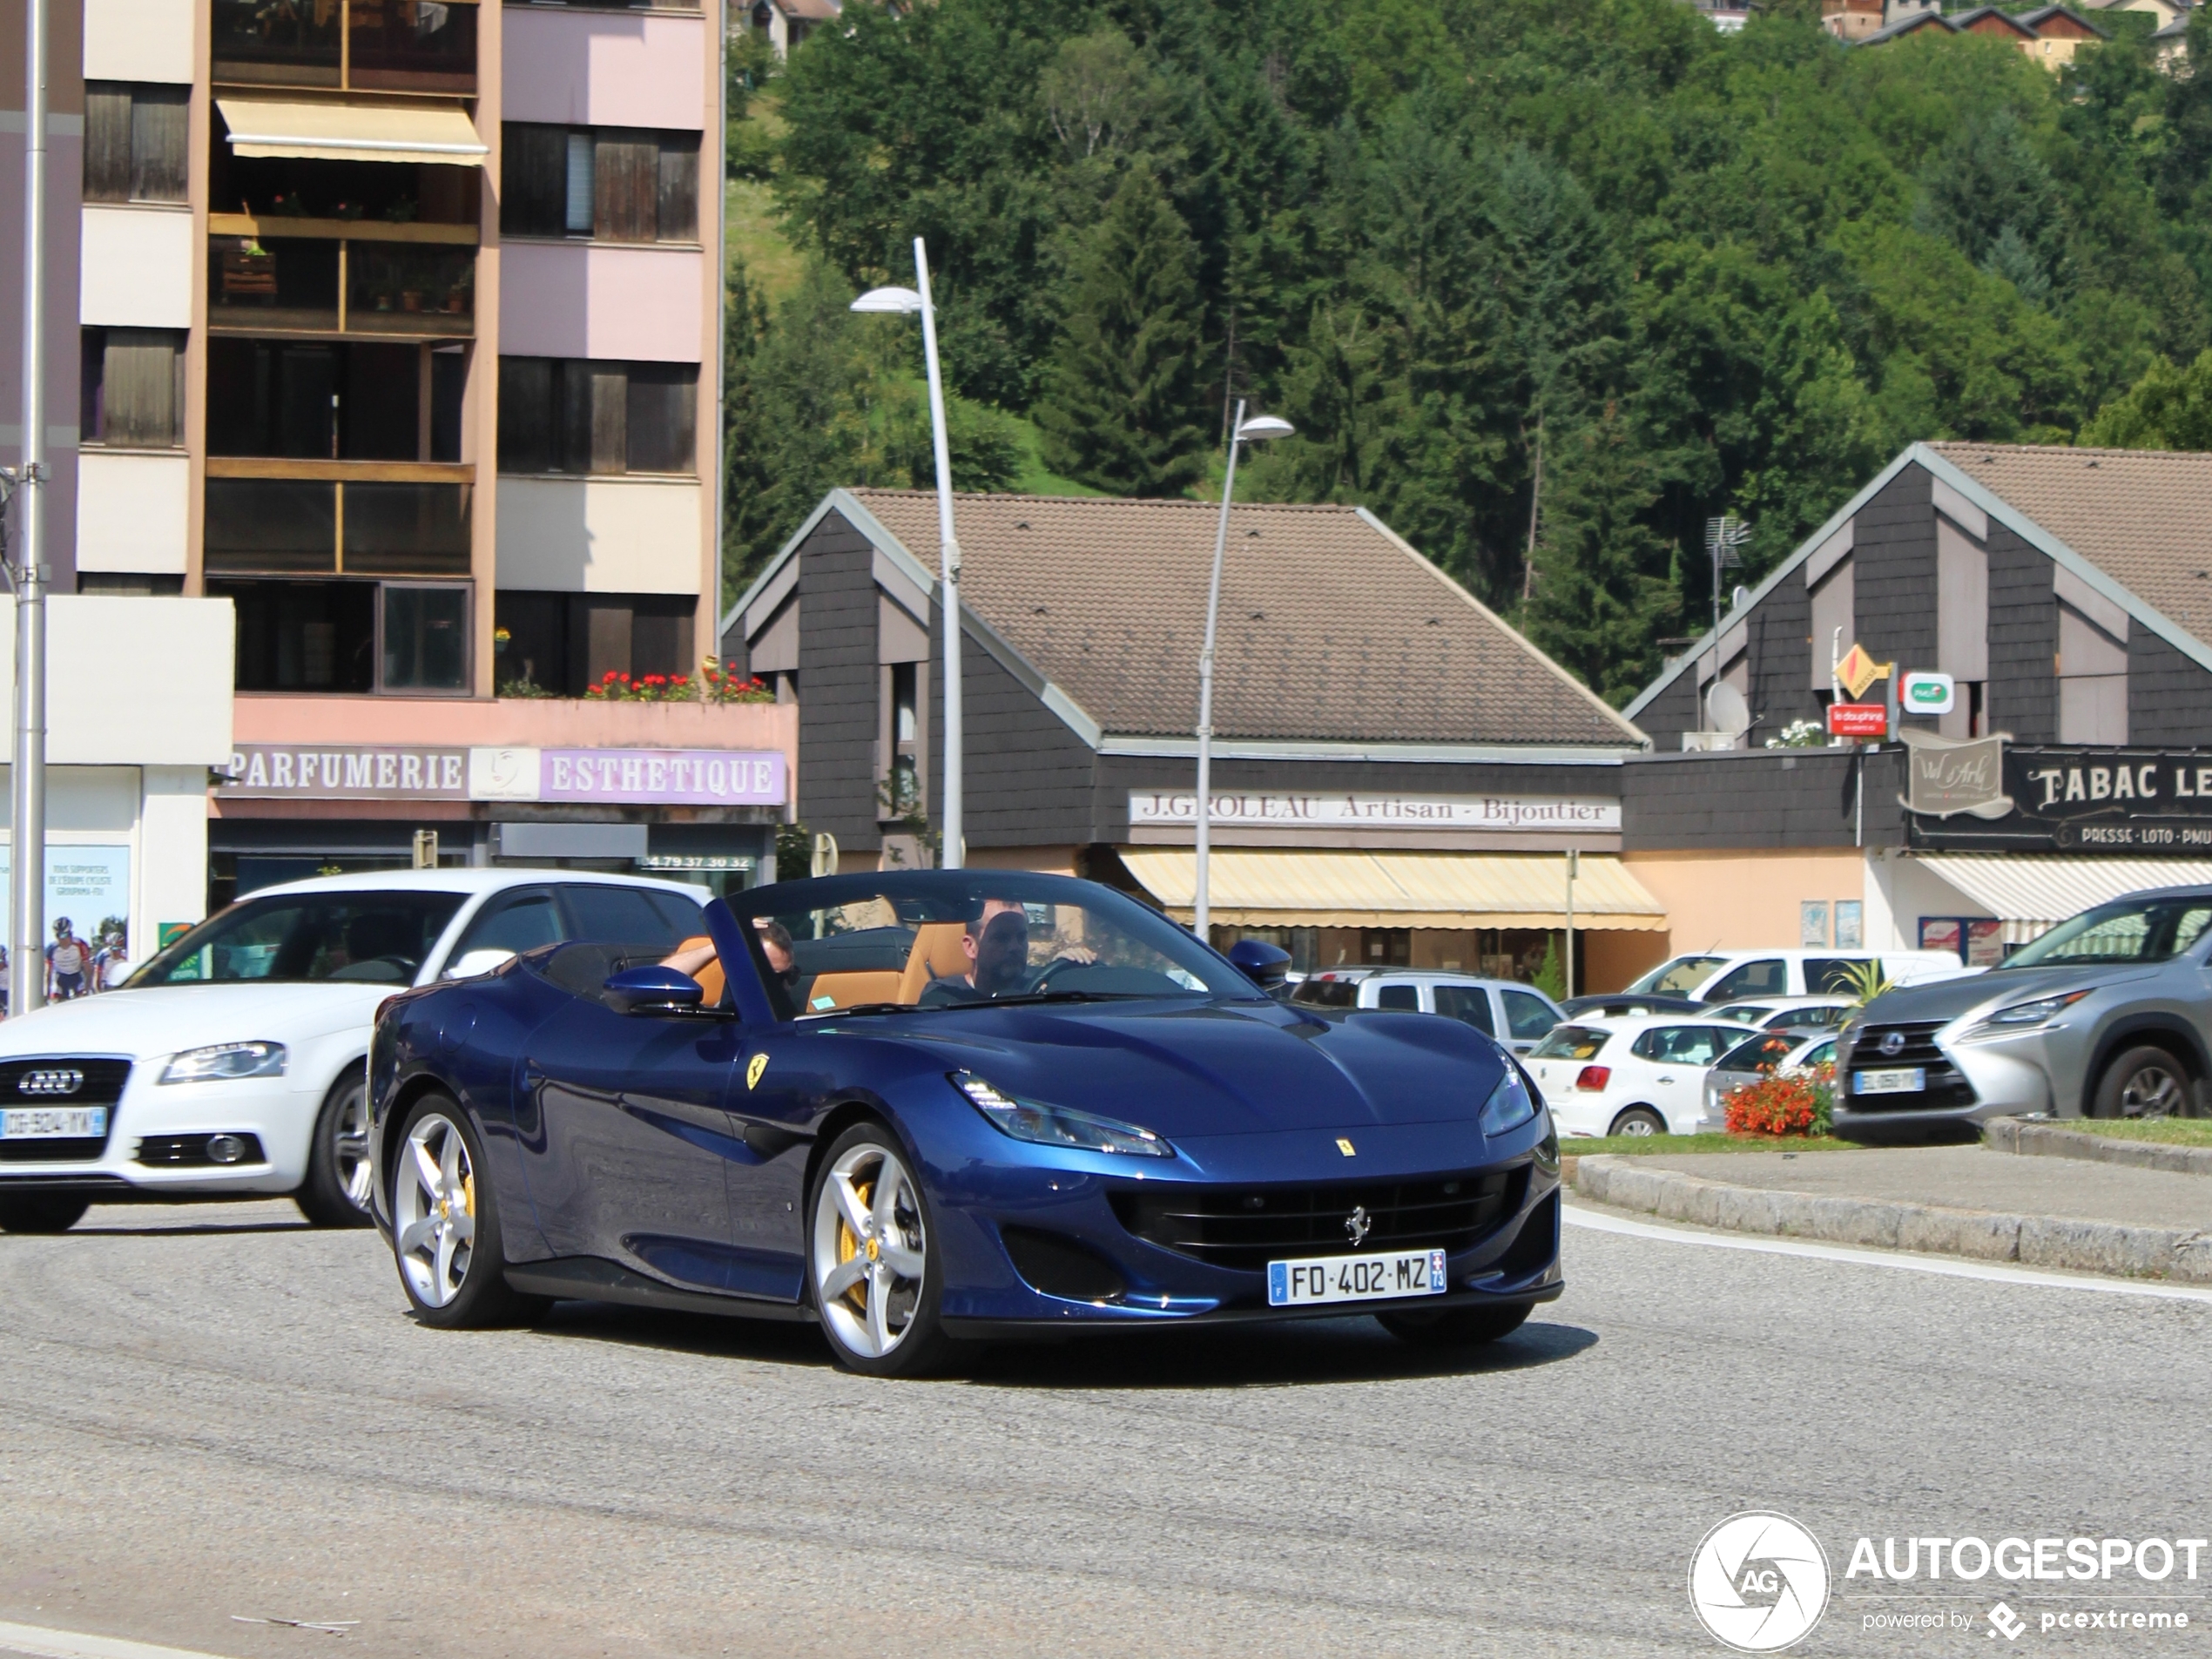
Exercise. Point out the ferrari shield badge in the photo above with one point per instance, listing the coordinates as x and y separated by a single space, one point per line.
753 1068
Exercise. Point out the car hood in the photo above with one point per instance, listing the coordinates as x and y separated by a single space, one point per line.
1948 998
1220 1068
163 1019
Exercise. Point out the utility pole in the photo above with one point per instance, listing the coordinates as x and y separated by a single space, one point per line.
27 574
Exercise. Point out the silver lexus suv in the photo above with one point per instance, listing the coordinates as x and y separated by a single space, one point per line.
2106 1016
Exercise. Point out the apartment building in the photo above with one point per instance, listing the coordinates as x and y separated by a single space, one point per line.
395 324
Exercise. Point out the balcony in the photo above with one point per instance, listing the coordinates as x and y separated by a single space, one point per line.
355 45
337 277
278 517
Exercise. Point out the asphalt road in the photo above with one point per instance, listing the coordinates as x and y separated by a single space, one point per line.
213 1415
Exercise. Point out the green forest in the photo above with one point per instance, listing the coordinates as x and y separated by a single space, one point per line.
1546 283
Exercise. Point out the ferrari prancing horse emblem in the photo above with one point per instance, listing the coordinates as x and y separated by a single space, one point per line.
1358 1224
753 1068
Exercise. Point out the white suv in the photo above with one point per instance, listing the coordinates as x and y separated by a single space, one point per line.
233 1063
1518 1015
1742 975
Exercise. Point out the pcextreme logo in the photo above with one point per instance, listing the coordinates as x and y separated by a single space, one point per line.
1758 1583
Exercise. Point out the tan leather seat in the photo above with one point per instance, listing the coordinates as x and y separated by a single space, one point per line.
936 954
710 975
851 989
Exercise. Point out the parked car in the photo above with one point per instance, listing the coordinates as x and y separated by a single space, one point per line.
2106 1016
1636 1076
965 1105
1518 1015
1734 976
1622 1005
1788 1013
233 1063
1769 1054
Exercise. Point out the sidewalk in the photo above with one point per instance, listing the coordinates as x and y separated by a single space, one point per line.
1967 1201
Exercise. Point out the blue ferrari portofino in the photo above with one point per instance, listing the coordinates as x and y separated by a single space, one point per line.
935 1107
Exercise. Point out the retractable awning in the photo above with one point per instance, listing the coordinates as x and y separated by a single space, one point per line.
441 134
1254 888
2031 894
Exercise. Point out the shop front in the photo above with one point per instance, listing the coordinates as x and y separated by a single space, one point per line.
691 791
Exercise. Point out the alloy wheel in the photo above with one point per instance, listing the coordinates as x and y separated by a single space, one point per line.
433 1210
870 1251
349 1147
2152 1091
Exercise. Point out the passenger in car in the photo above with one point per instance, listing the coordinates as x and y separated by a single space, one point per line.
697 956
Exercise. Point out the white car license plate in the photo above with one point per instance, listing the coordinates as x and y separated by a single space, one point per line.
1355 1278
53 1123
1909 1080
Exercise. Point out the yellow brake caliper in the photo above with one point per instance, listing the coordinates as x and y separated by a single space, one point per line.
848 1246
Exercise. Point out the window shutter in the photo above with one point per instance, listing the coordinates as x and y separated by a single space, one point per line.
610 416
662 417
140 394
626 180
574 387
107 142
527 415
532 160
679 214
159 125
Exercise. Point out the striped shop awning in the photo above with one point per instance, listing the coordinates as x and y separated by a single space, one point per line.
1249 888
2033 892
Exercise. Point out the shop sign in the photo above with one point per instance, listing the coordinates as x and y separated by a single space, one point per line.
1169 807
1856 671
345 772
658 777
1946 776
1922 693
1857 721
2120 800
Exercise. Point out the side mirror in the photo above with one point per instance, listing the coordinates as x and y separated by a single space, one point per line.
472 964
638 990
1267 966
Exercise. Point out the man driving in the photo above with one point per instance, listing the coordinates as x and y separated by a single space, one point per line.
996 944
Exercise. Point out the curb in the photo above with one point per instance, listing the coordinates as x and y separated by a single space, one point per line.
2032 1241
2032 1139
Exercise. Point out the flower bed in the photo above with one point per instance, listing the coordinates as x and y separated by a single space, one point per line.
1800 1102
709 685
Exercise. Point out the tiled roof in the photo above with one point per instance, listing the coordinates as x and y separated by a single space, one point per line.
2142 517
1330 629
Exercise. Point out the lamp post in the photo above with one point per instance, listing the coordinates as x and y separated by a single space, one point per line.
26 574
1242 431
908 300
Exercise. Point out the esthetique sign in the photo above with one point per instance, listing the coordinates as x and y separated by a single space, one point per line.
1163 808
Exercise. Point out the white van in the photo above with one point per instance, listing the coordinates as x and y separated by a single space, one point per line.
1734 976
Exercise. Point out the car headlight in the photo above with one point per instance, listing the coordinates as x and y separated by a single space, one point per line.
225 1060
1509 1105
1042 1125
2022 1016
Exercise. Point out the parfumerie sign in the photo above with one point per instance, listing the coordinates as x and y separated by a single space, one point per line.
651 777
1319 810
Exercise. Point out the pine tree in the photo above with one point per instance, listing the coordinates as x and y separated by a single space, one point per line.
1124 409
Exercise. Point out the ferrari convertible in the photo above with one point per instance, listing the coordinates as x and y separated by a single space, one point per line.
935 1108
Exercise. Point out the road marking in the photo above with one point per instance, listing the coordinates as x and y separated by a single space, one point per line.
68 1644
1997 1273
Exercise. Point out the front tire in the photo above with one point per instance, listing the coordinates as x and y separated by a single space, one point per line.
2144 1081
1455 1327
41 1212
336 1191
875 1277
1638 1120
445 1224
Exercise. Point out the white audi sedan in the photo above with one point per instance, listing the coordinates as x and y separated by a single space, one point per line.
234 1063
1642 1076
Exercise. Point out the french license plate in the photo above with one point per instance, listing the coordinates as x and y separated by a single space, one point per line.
1355 1278
53 1123
1908 1079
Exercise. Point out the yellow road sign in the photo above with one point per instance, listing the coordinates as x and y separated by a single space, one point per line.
1858 671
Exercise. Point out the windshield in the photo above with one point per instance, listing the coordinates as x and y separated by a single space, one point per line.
373 938
1570 1042
2125 931
1679 977
956 938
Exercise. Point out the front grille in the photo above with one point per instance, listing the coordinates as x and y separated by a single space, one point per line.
49 1083
1947 1088
1248 1227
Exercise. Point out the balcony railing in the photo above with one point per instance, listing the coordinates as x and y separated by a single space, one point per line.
268 517
358 281
367 45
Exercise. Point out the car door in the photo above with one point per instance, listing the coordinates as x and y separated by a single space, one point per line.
1469 1004
1529 1018
1762 976
1679 1056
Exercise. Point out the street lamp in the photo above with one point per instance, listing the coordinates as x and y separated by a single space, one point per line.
904 300
1241 431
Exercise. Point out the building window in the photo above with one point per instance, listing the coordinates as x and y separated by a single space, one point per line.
612 183
902 726
585 415
351 636
135 142
327 401
327 527
132 393
385 45
565 643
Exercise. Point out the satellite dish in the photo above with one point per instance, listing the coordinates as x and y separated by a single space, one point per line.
1729 711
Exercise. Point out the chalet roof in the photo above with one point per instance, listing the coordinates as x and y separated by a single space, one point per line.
1987 20
2041 18
1906 25
1332 628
